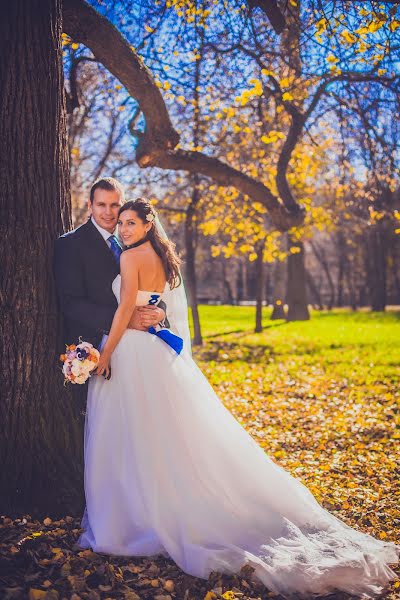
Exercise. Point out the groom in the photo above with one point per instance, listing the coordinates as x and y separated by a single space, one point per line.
86 262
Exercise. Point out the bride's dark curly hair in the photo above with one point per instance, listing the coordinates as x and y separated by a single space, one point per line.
164 248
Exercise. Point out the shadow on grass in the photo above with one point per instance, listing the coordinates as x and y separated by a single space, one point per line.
244 332
226 352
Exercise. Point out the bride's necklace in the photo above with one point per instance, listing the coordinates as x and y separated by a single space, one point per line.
139 243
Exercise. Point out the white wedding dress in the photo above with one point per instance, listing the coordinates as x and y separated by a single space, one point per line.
169 470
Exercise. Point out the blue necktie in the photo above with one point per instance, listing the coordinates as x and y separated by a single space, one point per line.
115 248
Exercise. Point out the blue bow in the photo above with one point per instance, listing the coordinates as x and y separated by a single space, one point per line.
174 341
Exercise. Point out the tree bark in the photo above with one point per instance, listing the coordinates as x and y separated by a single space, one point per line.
41 445
296 284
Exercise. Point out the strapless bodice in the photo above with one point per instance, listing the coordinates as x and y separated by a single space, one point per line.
147 298
143 298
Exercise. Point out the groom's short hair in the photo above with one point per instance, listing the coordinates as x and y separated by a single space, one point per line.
107 183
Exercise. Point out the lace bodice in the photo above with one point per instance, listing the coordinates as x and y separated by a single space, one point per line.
143 298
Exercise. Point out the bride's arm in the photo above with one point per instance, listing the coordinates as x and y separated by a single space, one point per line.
123 314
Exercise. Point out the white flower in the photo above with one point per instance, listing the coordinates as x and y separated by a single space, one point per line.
150 217
80 379
76 367
87 367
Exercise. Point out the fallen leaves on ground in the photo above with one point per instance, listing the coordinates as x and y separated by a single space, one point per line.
329 418
41 561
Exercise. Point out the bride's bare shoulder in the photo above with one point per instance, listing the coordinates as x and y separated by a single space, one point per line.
138 256
132 254
130 258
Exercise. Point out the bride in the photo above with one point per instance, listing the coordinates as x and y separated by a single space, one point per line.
169 470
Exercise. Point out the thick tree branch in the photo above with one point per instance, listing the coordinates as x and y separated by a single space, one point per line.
196 162
156 144
295 130
273 12
84 24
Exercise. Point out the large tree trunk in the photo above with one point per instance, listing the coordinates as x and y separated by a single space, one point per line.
41 444
296 284
296 272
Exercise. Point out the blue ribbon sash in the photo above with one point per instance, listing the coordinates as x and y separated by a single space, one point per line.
174 341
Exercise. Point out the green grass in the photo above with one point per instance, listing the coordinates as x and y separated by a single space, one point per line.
362 345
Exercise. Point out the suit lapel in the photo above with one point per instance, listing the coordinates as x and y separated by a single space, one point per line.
101 248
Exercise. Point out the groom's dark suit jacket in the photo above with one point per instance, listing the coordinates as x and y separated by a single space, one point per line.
84 271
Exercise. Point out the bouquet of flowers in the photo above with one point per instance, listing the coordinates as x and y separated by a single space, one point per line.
79 360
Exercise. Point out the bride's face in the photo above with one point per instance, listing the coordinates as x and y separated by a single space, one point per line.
131 228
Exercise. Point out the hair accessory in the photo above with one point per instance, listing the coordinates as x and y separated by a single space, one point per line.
150 217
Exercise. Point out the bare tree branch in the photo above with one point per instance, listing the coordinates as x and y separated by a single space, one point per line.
73 96
108 149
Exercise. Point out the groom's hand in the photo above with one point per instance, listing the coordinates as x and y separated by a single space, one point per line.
147 316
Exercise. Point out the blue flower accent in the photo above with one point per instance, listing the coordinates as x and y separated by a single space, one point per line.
81 354
153 299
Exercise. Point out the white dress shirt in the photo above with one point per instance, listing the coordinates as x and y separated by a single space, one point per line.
104 233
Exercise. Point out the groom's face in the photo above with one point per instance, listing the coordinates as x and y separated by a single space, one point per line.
104 208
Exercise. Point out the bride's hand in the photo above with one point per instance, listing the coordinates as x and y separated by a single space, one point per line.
103 366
